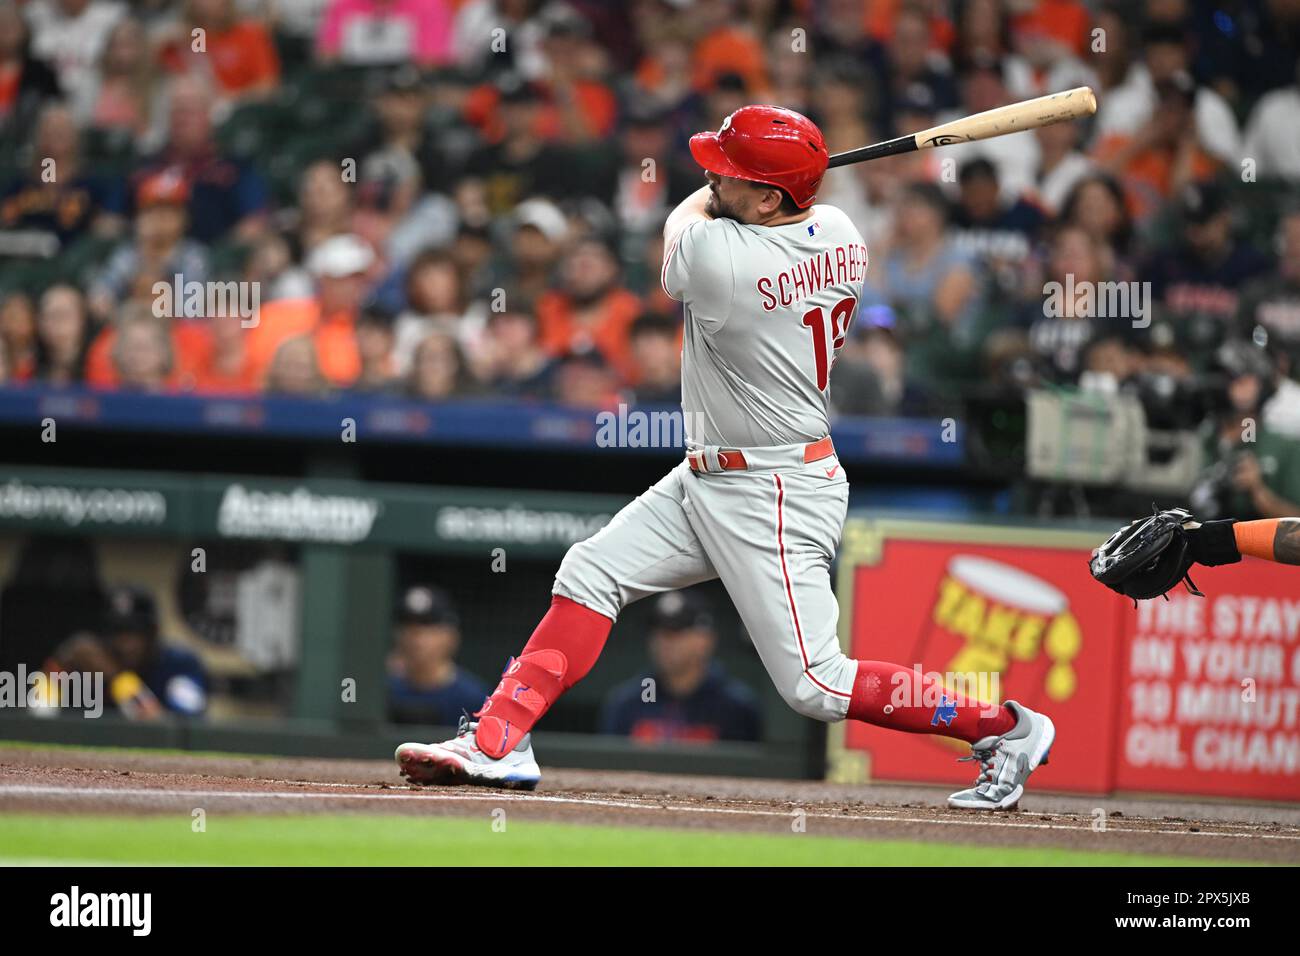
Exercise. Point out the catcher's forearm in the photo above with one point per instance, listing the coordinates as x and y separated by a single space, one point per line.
1273 539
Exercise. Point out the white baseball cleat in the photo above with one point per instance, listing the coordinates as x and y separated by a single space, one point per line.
459 761
1006 762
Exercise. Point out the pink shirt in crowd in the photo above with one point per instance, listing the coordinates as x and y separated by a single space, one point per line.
386 31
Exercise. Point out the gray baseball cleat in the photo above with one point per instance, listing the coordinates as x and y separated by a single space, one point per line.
1006 762
460 761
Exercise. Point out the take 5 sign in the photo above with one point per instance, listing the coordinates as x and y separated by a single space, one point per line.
1196 696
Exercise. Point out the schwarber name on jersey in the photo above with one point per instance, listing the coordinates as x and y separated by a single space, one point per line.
767 310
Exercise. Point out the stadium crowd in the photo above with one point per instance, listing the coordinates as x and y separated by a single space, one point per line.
445 198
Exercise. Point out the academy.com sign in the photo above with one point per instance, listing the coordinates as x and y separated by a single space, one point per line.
74 507
297 515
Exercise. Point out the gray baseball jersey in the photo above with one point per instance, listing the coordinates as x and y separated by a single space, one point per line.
767 310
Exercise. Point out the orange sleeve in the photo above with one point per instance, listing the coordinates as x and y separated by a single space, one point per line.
1256 537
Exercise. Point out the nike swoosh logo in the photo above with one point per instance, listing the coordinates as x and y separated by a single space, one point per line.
830 472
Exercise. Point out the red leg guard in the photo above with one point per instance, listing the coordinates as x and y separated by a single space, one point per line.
887 695
561 651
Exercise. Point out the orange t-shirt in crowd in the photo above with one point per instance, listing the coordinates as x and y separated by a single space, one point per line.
559 332
596 102
336 346
1065 21
191 344
1147 177
729 50
241 58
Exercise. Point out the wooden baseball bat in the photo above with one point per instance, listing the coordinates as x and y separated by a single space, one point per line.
1013 118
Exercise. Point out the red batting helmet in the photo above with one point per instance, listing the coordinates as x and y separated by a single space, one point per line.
769 145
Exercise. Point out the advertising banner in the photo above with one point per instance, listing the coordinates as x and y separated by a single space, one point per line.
1193 696
1211 700
1017 608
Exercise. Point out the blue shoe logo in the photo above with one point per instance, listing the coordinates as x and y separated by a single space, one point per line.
946 711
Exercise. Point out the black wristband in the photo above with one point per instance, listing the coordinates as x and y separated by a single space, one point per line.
1214 543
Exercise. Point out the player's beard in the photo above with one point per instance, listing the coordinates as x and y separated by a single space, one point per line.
715 208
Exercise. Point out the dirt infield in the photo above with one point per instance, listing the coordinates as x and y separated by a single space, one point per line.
106 782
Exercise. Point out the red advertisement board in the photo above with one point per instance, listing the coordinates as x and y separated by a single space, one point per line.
1211 701
1196 696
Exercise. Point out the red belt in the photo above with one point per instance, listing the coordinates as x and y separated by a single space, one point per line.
733 459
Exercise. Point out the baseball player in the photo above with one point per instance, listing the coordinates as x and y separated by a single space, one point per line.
770 282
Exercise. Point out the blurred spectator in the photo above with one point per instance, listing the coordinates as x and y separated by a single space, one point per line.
926 278
341 266
1166 154
1272 139
235 53
656 344
18 333
159 251
1255 473
374 351
295 369
398 160
71 35
871 375
273 265
125 92
583 379
227 196
512 360
376 32
650 181
142 353
438 369
1273 301
913 69
1061 165
993 227
425 685
1096 205
590 309
325 204
535 245
25 81
1016 157
686 696
1051 39
146 676
1130 110
58 200
473 35
1060 325
62 332
725 45
1195 284
581 109
436 300
518 161
225 366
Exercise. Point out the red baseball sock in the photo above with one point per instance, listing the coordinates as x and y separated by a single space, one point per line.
899 698
561 651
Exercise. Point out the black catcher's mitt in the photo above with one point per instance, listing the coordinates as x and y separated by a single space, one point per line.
1150 556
